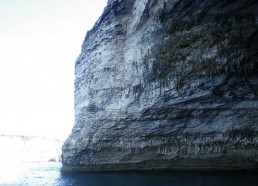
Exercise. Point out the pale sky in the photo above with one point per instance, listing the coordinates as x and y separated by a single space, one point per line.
39 43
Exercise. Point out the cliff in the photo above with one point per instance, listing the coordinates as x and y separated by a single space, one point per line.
167 84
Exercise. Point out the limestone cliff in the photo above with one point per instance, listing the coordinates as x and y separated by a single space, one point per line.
167 84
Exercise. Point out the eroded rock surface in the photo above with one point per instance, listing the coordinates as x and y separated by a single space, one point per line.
167 84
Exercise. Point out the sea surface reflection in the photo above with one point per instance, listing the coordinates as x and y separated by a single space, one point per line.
48 174
161 179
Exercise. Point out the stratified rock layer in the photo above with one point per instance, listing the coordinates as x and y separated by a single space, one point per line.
167 84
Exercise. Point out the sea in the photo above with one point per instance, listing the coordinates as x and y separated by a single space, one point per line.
48 174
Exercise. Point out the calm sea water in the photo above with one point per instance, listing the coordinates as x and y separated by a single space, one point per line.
48 174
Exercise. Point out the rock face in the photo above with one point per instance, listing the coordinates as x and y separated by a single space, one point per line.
167 84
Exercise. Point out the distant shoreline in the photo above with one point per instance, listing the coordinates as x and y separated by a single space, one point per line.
30 137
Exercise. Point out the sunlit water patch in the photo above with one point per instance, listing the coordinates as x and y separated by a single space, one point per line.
23 173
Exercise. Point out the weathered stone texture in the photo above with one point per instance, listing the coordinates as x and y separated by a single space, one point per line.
167 84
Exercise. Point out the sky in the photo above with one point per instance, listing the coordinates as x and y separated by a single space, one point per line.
39 43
